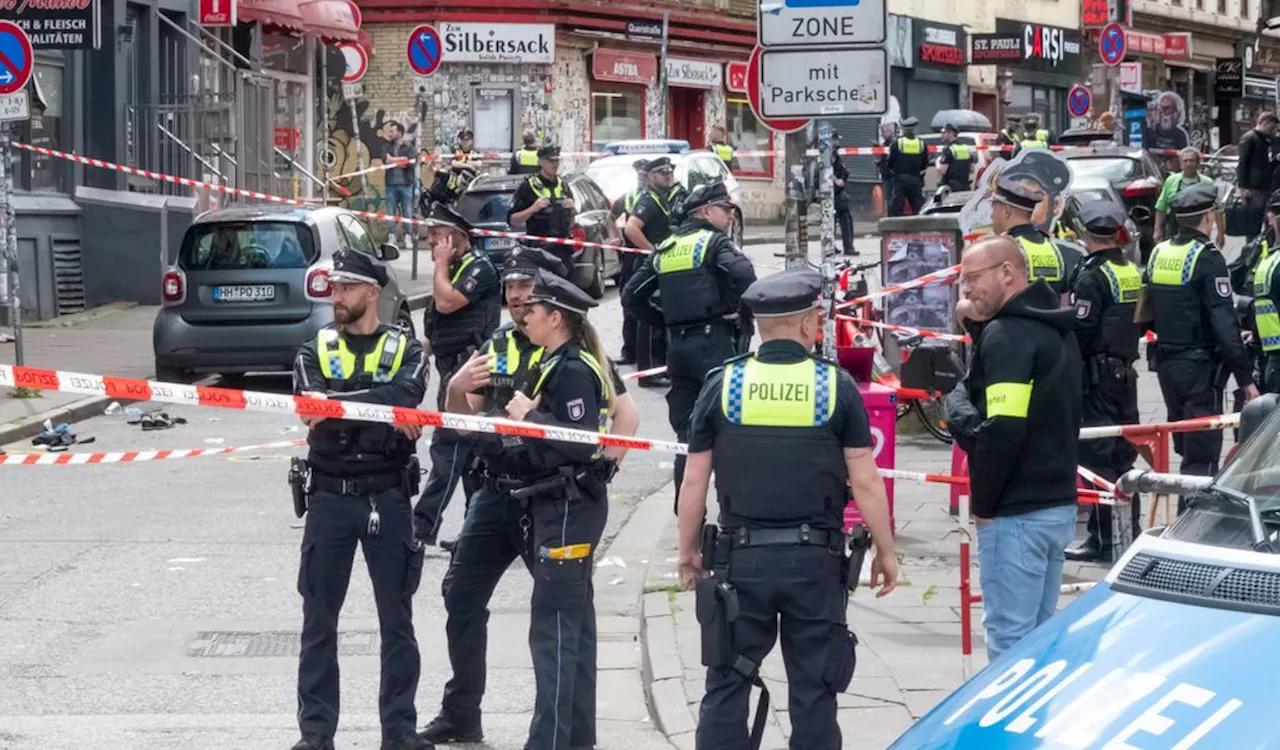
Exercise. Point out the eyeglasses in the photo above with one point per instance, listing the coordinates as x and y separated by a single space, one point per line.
965 278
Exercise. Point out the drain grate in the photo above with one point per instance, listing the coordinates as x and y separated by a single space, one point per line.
223 644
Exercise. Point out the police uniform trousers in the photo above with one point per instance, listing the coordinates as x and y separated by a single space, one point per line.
451 461
640 342
1191 385
1270 381
335 524
562 628
1111 399
844 220
692 352
907 189
801 586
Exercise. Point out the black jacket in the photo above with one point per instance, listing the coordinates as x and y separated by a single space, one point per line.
733 268
1018 412
1254 170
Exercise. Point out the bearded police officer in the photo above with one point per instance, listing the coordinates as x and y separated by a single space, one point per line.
1105 298
465 308
543 204
1198 341
908 159
701 276
361 475
785 433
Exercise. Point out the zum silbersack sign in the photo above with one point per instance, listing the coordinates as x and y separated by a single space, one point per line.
57 24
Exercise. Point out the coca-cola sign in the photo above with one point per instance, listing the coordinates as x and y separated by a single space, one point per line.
57 24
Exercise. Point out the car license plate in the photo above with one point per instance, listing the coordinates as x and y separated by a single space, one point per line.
500 243
244 293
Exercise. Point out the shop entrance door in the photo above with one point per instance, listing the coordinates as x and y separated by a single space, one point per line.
688 119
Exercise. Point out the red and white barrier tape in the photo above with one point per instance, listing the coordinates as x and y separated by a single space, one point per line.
646 373
128 457
1086 496
197 184
1095 480
945 275
1220 422
908 329
303 406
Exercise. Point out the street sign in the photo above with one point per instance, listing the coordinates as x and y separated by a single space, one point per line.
217 12
646 28
424 50
811 23
355 13
357 60
352 91
735 76
1112 44
1079 101
15 107
753 98
1131 77
831 82
16 58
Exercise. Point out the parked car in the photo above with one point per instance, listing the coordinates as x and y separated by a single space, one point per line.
1132 173
488 199
251 285
616 175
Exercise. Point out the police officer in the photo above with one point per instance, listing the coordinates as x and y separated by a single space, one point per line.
648 226
721 148
1013 203
701 276
1105 297
361 475
492 537
908 158
465 308
623 207
956 163
784 432
1036 136
525 161
1012 133
449 184
1198 336
543 203
842 199
1266 303
464 147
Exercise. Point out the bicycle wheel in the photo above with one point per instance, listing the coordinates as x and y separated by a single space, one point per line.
932 414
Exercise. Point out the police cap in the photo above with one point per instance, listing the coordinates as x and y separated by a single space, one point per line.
1274 201
443 216
525 261
1016 194
557 291
354 267
910 122
640 165
549 151
662 162
950 127
710 194
1101 217
1013 118
465 134
1195 200
786 293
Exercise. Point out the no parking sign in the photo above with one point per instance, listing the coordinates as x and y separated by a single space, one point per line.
1079 101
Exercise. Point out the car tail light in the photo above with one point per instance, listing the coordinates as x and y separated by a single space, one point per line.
1148 187
173 287
318 283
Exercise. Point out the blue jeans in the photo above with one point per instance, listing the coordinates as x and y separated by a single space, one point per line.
399 203
1020 569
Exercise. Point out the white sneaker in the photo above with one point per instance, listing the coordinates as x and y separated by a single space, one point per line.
408 242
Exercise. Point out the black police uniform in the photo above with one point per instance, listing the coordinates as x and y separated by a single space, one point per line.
778 422
449 184
553 221
959 158
361 477
1051 261
1011 134
844 213
624 206
453 337
701 276
1105 296
1198 336
907 161
654 209
496 531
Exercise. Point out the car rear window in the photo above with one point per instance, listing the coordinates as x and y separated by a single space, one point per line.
484 207
248 245
1112 169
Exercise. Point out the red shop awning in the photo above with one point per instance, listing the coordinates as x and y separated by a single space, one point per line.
282 13
331 20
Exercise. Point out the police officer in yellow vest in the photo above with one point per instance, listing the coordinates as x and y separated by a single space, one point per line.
956 163
525 161
907 160
720 147
361 476
787 435
1035 136
543 204
1266 318
1012 205
701 276
1105 297
1198 336
1012 133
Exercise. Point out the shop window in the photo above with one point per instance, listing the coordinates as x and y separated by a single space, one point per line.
37 172
746 133
493 117
616 116
1244 9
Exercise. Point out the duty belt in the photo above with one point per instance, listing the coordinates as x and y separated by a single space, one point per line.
705 328
356 486
802 535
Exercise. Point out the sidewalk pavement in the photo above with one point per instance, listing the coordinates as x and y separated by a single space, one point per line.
908 657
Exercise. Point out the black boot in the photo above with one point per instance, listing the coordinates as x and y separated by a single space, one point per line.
313 742
443 731
410 742
1090 551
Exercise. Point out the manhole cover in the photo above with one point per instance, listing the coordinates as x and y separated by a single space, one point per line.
276 643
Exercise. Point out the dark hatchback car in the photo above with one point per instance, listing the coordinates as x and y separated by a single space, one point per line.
1134 176
487 200
251 285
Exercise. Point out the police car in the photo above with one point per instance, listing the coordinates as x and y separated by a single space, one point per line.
615 174
1175 650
